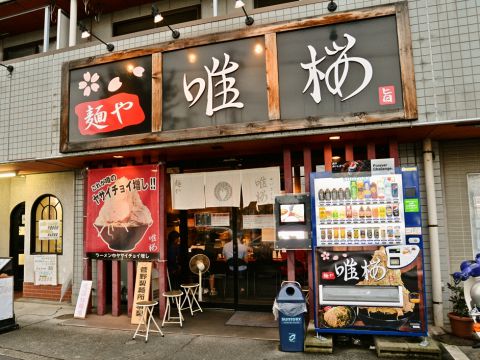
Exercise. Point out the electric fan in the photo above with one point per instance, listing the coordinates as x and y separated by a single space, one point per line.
199 264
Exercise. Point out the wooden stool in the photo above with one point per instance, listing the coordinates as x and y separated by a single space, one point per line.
146 309
190 297
306 293
174 295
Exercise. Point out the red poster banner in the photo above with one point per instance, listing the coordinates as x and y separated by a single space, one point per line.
122 213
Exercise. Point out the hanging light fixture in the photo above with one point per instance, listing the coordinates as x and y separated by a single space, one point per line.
248 19
87 33
8 67
332 6
157 17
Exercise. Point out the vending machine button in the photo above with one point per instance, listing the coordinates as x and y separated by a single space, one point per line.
413 240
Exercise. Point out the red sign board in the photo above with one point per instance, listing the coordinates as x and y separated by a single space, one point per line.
386 95
122 213
108 115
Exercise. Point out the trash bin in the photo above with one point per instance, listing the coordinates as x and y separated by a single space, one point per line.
290 308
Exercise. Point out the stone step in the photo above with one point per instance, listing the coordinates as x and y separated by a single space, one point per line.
316 344
395 347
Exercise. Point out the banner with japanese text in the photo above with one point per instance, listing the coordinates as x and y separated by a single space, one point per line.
122 213
396 268
110 99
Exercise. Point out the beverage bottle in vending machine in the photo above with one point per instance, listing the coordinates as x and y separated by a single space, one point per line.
334 194
353 189
360 194
373 190
348 194
366 190
394 190
368 212
395 210
388 189
341 194
328 195
321 195
348 212
380 189
361 213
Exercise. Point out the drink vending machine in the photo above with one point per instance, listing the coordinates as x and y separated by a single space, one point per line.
368 253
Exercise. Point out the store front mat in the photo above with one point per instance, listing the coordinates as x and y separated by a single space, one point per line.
251 318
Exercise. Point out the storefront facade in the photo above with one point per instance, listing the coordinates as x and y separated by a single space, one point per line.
222 105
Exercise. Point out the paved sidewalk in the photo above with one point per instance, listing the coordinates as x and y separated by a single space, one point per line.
45 334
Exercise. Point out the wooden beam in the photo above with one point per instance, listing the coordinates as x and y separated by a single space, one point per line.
406 61
371 152
162 268
393 151
288 184
271 65
349 155
307 167
131 266
116 288
287 171
157 94
224 131
327 156
101 287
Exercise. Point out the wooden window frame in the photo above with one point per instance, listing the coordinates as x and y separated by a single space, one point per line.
34 224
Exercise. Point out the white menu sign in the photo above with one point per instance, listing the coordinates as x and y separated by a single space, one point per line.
45 269
83 298
49 229
258 221
6 298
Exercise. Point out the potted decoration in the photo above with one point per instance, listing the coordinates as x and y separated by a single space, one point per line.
460 321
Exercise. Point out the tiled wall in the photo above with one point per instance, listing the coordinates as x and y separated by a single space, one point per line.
459 158
446 56
412 155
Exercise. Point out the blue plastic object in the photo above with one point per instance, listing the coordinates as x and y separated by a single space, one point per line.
291 328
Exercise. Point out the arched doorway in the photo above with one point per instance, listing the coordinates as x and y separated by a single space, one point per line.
17 243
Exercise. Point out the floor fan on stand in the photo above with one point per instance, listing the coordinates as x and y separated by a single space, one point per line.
199 264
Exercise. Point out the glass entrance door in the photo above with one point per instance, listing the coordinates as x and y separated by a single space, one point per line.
244 270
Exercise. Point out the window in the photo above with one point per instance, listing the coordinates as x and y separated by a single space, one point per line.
473 183
263 3
171 17
31 48
47 226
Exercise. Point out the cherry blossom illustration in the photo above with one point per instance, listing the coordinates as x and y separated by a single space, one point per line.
325 256
138 71
89 84
114 84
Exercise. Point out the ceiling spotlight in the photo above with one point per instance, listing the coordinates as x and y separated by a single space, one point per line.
8 67
332 6
335 137
8 174
157 17
87 33
248 19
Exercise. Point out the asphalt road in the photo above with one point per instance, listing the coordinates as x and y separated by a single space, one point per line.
43 335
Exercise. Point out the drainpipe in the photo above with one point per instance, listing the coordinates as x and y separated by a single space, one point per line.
46 29
433 234
72 33
215 7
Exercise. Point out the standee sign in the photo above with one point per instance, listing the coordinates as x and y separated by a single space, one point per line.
305 74
122 213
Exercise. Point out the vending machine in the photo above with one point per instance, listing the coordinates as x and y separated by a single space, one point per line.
368 251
